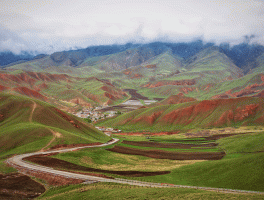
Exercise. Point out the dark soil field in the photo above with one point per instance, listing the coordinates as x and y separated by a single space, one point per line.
169 155
62 146
18 186
61 164
168 145
135 95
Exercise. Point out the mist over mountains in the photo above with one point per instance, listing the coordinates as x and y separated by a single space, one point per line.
243 55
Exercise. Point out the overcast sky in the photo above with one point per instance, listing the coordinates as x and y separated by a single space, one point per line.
48 26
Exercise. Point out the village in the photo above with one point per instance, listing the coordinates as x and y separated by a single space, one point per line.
94 114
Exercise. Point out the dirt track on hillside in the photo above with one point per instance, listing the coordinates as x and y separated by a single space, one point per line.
18 186
61 164
168 145
159 154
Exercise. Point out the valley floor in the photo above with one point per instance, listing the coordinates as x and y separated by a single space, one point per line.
169 173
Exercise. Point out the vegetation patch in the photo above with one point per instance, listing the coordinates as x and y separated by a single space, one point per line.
117 191
19 186
107 160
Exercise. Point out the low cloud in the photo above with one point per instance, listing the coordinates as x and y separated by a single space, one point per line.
48 26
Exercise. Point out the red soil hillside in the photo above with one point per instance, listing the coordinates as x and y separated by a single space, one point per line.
151 66
174 99
55 87
80 101
29 93
252 89
31 78
113 93
216 112
220 96
261 94
207 113
2 88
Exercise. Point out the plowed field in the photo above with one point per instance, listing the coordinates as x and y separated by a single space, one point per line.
169 155
18 186
61 164
168 145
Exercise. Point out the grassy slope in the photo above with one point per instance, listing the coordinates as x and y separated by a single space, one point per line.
166 63
242 168
206 67
102 159
63 87
196 114
259 64
234 85
19 135
238 170
201 92
117 191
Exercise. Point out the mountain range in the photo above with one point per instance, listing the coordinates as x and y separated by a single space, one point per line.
98 75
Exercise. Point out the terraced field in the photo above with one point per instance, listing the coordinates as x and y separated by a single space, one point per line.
241 156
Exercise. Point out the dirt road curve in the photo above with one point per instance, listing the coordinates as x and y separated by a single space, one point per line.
18 161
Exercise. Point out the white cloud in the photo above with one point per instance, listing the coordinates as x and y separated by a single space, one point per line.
64 24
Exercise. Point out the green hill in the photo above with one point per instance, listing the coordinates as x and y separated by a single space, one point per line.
154 72
195 114
208 74
259 63
211 59
30 125
60 89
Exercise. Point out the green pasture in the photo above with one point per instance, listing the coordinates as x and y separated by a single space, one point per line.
242 167
20 135
237 170
101 159
117 191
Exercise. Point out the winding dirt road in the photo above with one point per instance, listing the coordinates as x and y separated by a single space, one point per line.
17 161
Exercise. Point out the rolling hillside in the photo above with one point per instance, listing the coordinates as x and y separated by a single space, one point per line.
162 65
156 70
259 64
195 114
30 125
61 89
208 74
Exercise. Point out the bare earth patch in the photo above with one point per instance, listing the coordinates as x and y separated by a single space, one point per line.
169 155
61 164
18 186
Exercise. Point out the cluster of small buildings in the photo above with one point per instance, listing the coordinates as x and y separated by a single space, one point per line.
93 114
108 131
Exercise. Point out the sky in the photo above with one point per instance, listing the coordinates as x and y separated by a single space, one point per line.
47 26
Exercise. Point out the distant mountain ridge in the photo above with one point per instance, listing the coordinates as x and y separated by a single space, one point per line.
156 70
243 55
